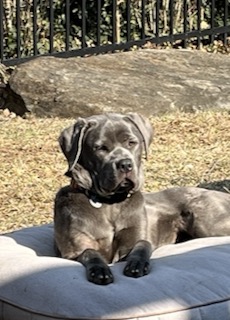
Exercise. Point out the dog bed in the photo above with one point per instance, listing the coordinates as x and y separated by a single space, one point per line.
187 281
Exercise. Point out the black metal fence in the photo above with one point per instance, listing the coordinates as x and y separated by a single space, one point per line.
30 28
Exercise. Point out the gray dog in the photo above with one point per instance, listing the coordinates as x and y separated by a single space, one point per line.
102 216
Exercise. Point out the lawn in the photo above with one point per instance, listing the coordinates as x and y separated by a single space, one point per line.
188 149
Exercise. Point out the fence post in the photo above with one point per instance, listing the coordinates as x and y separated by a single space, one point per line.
225 19
171 23
143 13
114 21
128 20
98 22
212 37
67 24
198 22
185 14
51 18
157 19
18 29
35 49
1 31
83 24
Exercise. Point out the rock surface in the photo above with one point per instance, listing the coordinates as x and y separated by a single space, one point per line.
147 81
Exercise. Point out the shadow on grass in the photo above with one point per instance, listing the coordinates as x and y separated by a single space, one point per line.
221 185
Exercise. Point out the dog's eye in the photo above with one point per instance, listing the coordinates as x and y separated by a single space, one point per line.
101 148
132 143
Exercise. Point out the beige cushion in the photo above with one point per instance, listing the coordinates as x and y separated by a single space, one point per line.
187 281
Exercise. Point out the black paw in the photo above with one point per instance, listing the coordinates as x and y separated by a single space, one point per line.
99 274
136 268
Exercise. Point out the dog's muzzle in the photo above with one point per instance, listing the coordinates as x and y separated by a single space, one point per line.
116 177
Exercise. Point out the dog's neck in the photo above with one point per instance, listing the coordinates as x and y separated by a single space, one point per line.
97 200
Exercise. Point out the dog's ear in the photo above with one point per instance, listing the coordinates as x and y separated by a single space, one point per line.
81 177
144 127
71 140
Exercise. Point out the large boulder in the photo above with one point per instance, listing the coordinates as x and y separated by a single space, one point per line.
147 81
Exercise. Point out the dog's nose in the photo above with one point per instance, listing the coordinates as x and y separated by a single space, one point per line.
125 165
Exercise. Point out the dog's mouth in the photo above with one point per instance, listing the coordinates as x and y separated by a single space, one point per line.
124 187
115 195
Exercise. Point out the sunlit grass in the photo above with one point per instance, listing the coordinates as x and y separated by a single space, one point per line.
187 149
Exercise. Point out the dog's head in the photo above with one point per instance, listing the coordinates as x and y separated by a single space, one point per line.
104 152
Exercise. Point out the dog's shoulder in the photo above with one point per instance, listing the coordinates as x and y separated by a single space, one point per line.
63 192
67 195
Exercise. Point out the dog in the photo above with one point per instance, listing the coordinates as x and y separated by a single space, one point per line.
100 217
183 213
103 217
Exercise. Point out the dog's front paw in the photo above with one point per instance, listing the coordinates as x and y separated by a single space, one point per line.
136 268
99 274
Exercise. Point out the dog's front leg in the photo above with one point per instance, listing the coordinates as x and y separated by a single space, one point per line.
138 260
97 270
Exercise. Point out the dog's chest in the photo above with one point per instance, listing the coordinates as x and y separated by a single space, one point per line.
107 221
105 230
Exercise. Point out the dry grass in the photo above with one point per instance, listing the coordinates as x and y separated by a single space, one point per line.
188 149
